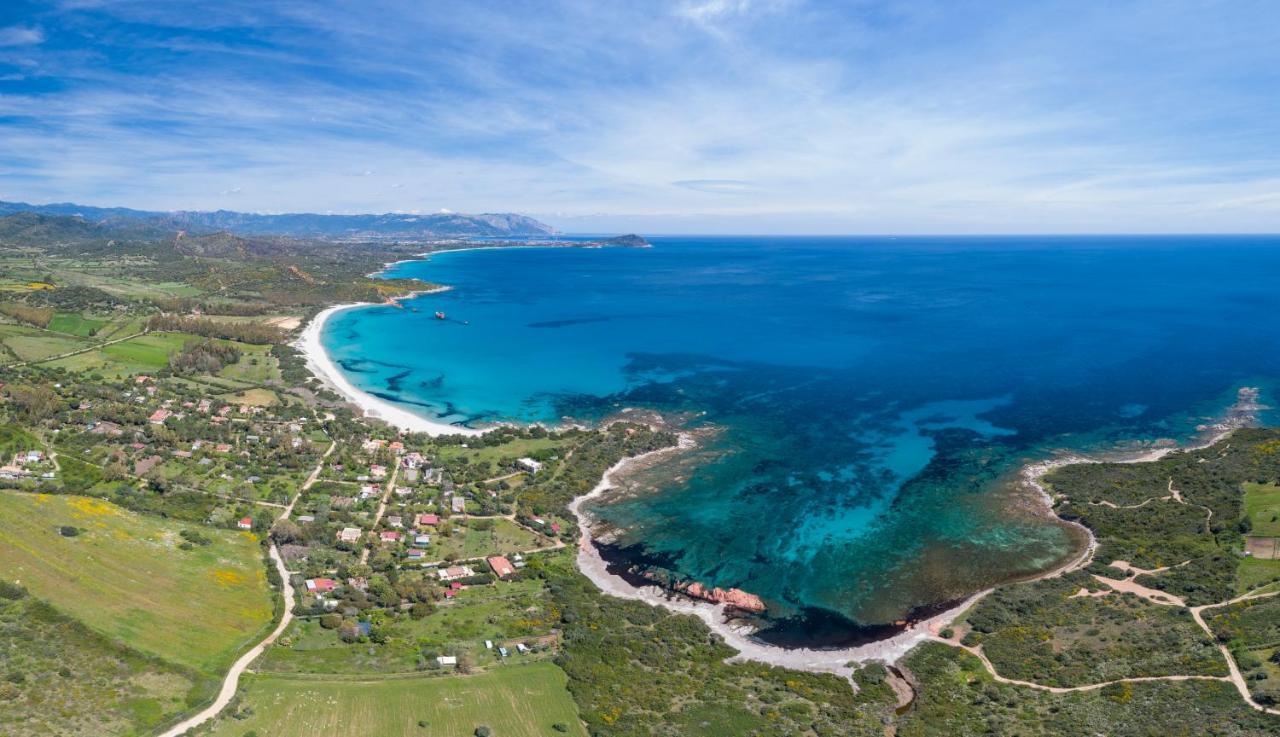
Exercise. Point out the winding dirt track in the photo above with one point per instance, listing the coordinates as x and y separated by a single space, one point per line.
232 680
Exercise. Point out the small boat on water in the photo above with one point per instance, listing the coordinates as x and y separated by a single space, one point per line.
440 316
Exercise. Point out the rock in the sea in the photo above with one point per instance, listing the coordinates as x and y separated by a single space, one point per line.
732 597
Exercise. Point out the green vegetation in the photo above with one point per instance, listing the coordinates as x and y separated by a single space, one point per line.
1262 509
958 698
635 669
519 701
61 678
502 613
1197 534
76 324
1043 632
125 576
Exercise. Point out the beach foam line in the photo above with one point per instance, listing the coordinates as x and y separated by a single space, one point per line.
320 364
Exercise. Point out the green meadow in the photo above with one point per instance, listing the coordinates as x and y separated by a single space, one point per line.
1262 507
125 576
518 701
75 324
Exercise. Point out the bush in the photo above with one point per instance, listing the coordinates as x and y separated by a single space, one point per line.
68 531
483 731
331 621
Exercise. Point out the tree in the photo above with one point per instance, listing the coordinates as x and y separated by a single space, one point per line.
483 731
285 531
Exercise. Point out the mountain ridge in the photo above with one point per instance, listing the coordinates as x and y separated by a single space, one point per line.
383 225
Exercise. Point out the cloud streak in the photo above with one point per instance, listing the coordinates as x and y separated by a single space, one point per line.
717 115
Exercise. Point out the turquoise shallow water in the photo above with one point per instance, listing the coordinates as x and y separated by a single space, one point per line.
871 392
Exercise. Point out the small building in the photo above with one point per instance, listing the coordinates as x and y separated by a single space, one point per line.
457 504
377 472
158 417
349 535
415 554
447 661
389 536
245 523
422 539
425 520
529 465
501 566
453 573
306 518
395 521
320 585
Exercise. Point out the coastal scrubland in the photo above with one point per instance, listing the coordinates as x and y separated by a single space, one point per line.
154 378
63 678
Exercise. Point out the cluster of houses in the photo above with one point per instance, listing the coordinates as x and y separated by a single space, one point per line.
26 464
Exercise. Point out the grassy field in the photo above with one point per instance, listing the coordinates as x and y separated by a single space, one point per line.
514 449
75 324
124 576
77 682
254 397
34 345
520 701
1253 572
1262 507
498 537
134 356
502 613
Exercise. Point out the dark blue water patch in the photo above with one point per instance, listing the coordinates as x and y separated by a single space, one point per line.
872 395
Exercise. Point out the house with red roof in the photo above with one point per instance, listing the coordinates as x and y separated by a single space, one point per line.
427 519
245 523
389 536
501 566
320 585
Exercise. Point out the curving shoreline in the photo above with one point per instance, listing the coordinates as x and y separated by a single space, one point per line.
845 661
323 367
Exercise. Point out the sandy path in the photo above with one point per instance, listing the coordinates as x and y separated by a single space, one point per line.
1197 613
382 507
232 680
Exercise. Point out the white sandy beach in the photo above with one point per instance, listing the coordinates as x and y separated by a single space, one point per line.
322 366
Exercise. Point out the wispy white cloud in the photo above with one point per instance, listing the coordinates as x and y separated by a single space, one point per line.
21 36
802 116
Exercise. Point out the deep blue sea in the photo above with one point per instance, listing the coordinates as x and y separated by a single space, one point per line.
873 395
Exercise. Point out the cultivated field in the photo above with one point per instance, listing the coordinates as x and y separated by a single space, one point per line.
518 701
125 576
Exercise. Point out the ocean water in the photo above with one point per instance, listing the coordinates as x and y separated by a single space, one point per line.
872 396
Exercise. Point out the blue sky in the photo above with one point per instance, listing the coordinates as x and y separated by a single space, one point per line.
735 116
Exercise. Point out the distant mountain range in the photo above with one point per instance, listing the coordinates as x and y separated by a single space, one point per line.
304 225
